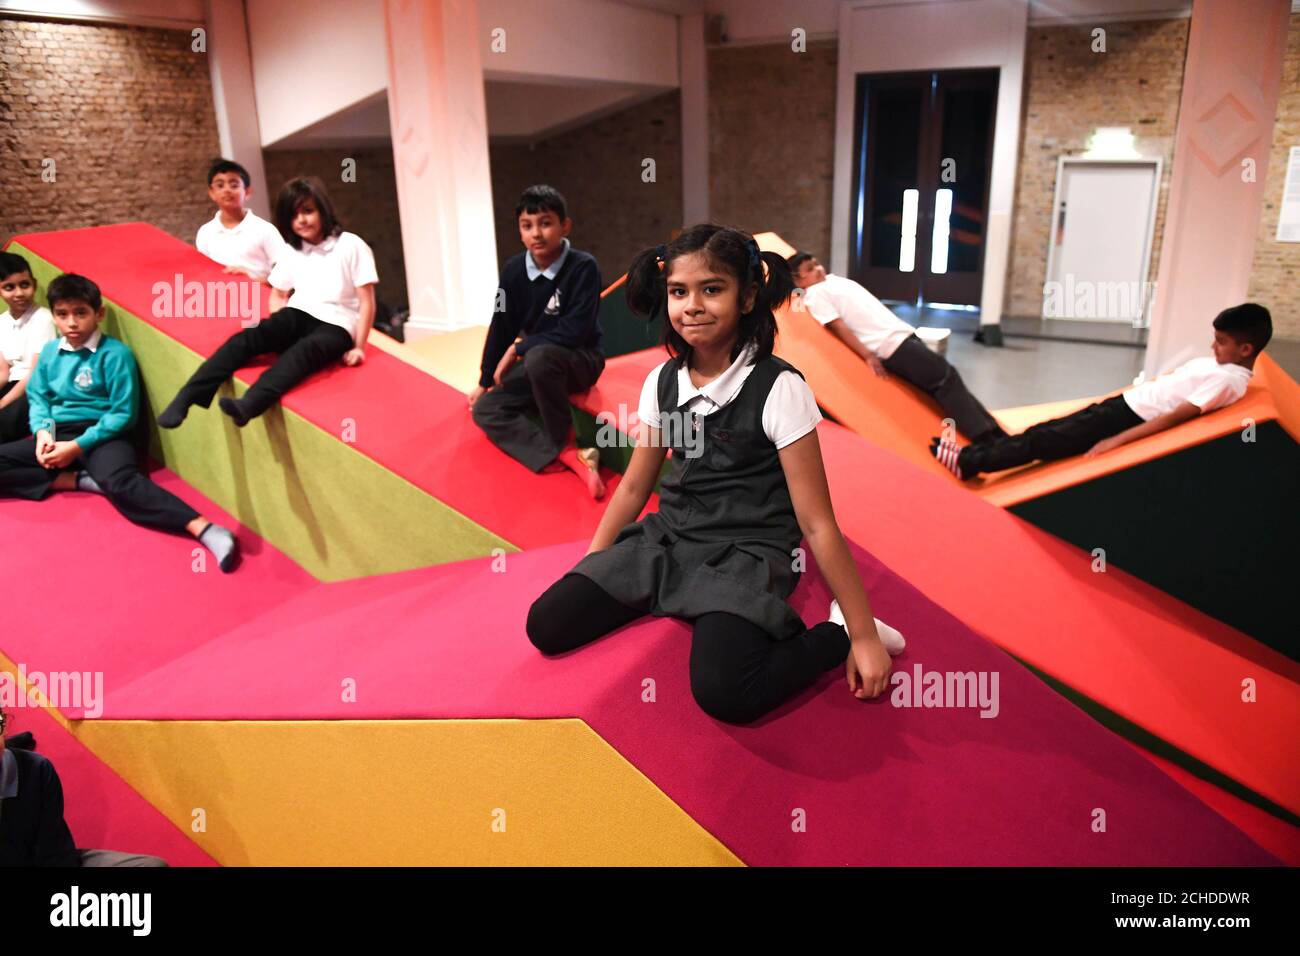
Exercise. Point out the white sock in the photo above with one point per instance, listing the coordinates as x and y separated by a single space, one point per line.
889 636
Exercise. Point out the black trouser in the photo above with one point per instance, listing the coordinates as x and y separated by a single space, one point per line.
542 382
304 343
1048 441
114 468
13 417
932 374
739 672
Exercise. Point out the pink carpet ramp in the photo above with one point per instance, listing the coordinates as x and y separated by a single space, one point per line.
101 809
439 450
876 784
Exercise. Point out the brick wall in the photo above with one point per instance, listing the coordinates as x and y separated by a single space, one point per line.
772 140
125 113
1275 279
367 207
598 169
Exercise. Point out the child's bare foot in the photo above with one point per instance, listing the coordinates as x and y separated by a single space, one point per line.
585 464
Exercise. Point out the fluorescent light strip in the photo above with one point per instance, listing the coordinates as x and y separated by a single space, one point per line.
907 248
939 247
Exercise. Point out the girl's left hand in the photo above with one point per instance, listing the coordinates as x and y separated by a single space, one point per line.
868 668
354 357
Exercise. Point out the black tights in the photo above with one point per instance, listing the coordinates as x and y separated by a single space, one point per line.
738 671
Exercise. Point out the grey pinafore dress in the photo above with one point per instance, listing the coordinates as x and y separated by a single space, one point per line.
725 532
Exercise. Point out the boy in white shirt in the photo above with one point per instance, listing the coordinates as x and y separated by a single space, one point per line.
236 237
1196 387
888 344
24 330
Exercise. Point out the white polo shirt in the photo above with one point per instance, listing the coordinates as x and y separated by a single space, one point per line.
325 277
254 245
1202 381
789 413
23 337
877 328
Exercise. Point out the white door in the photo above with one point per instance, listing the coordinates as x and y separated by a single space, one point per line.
1102 241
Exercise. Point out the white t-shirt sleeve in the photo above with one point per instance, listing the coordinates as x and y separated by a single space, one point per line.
647 409
273 245
790 411
42 328
361 264
819 305
201 240
281 276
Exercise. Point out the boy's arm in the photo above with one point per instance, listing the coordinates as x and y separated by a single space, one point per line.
1185 412
38 400
845 335
19 390
123 396
577 316
501 333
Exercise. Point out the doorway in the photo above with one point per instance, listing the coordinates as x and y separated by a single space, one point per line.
921 184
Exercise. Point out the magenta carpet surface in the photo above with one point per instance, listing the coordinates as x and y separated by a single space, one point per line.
826 781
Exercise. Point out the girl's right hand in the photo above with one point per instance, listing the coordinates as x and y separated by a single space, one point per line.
868 667
474 396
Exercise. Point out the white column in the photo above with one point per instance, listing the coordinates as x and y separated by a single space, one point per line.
440 150
232 95
1216 192
694 83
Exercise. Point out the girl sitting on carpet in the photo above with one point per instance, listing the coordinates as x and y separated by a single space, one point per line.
322 308
745 485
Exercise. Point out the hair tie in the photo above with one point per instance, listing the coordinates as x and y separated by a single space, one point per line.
755 260
660 251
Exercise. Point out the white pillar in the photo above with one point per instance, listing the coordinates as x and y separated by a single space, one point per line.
1216 192
694 84
232 95
438 116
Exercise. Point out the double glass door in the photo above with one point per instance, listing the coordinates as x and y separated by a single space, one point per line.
924 146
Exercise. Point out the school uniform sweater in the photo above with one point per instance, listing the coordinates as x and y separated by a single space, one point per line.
96 382
562 310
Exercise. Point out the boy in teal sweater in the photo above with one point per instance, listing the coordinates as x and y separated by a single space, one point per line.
84 396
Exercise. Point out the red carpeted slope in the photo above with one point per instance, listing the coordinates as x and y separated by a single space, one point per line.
878 784
101 809
407 421
1132 648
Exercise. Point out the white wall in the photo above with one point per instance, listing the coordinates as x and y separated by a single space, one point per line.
579 39
311 60
879 36
758 21
176 14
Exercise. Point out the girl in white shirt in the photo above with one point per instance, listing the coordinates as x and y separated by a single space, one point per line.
24 329
322 305
746 485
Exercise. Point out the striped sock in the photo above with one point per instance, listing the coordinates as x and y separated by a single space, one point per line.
948 454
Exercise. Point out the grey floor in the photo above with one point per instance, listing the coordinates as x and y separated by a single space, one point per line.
1028 368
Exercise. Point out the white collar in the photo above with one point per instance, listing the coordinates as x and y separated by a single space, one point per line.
20 320
248 214
550 271
92 343
722 389
322 247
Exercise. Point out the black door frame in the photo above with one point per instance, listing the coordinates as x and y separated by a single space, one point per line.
887 283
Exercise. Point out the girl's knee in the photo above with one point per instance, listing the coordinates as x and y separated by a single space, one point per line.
544 627
722 698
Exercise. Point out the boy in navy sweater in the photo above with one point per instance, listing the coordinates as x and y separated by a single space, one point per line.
544 346
84 397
